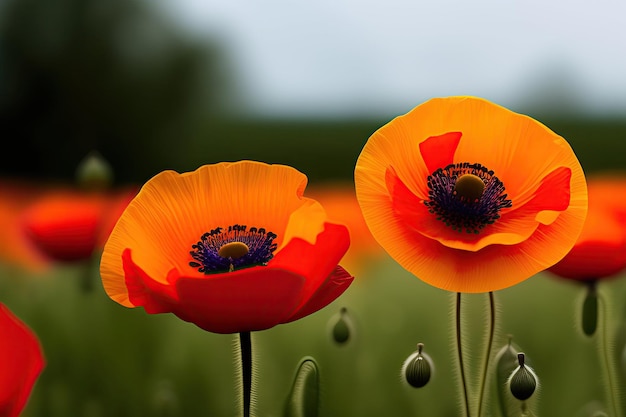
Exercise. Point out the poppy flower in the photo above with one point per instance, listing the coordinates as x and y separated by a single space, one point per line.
470 196
339 201
600 251
15 247
68 225
21 362
230 247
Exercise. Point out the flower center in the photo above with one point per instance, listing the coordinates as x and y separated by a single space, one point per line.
222 250
466 197
233 250
469 187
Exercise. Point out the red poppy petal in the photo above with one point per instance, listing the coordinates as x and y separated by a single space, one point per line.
251 299
405 204
21 362
315 262
438 151
553 194
143 291
333 287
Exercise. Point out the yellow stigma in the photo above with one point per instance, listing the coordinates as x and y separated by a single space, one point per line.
233 250
469 187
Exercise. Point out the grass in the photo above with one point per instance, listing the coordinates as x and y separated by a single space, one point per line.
104 359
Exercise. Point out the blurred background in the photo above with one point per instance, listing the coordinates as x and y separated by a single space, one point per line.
154 85
157 84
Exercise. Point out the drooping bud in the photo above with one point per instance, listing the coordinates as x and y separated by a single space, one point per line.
341 327
303 400
94 172
506 362
523 380
590 310
418 368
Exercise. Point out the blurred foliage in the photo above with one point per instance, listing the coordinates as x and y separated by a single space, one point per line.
111 75
121 78
104 359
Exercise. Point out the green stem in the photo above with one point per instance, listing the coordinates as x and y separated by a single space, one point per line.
492 327
245 343
460 353
606 354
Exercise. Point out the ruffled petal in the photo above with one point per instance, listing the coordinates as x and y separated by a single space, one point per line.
314 261
143 291
333 286
247 300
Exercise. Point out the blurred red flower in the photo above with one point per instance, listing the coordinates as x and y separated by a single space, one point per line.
21 362
340 203
15 247
68 225
600 251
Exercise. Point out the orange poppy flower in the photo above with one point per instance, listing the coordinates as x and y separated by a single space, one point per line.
339 201
469 196
68 225
600 251
230 247
21 362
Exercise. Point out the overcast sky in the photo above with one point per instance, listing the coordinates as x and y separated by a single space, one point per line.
366 57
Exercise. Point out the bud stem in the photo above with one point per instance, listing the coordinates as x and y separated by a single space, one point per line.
492 329
476 403
610 377
245 344
460 353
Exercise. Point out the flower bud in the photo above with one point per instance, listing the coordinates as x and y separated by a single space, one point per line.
590 310
94 172
303 400
506 362
341 327
418 368
523 380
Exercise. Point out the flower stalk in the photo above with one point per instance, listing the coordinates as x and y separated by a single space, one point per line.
474 397
245 344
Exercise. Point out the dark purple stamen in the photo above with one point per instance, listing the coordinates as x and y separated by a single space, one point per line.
460 213
260 244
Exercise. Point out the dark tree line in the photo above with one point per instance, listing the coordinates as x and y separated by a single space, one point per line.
112 75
